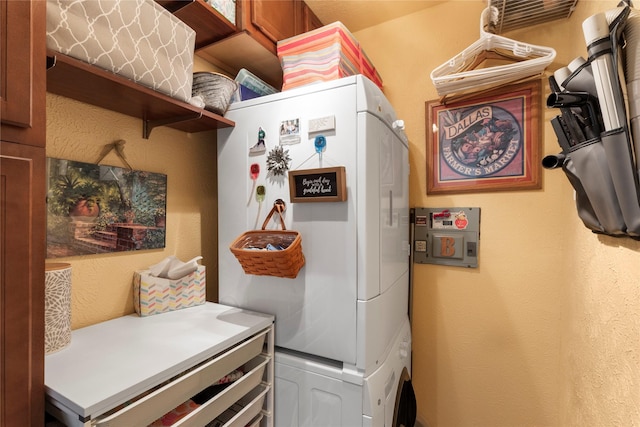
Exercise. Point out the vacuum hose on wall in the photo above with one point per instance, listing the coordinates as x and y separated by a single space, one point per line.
632 73
593 130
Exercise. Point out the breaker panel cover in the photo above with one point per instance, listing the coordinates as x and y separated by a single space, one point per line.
447 236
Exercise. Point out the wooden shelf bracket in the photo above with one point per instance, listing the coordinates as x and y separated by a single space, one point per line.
148 124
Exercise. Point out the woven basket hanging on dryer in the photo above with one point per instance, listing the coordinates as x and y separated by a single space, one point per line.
270 252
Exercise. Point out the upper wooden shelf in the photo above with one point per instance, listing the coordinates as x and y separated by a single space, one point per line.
231 55
225 45
90 84
209 24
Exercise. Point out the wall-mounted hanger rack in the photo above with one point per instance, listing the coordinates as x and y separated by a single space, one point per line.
516 14
460 73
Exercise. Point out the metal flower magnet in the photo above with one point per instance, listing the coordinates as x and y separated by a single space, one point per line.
278 161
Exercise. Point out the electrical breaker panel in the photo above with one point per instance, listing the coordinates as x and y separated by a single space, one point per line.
446 236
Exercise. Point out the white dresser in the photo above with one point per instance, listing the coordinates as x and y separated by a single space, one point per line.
132 370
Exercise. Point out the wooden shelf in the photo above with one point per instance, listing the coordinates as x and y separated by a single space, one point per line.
227 46
232 53
87 83
209 24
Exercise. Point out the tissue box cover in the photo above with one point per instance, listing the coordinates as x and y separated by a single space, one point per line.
136 39
326 53
155 295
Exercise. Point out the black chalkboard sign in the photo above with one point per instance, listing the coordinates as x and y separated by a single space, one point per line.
318 185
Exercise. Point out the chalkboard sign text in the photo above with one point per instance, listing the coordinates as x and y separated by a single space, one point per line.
318 185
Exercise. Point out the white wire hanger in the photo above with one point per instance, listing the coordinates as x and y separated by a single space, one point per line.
459 74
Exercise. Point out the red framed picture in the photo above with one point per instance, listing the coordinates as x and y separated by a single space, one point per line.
486 143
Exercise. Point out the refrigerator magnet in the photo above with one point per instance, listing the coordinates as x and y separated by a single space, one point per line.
254 172
290 132
320 144
259 147
278 161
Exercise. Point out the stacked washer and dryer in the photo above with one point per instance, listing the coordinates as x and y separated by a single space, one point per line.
342 332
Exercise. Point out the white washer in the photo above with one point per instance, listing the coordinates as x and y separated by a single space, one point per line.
318 392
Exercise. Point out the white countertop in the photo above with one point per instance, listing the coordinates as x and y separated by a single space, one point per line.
111 362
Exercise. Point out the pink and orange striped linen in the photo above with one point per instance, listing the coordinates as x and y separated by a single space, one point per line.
327 53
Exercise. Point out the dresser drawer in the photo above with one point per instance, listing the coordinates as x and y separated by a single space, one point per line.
248 411
153 405
234 393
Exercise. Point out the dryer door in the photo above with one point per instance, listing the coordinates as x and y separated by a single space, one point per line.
383 207
405 411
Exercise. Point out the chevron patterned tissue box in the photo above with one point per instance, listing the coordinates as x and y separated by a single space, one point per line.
155 295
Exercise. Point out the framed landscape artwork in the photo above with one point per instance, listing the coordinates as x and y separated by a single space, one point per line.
95 209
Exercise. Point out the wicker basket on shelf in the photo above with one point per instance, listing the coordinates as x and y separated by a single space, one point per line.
215 89
250 248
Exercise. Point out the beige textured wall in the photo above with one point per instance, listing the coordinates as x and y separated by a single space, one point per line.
102 284
546 331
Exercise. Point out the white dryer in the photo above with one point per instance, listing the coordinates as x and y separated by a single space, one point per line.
317 392
337 322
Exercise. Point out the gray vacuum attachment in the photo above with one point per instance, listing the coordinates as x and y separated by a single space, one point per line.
593 131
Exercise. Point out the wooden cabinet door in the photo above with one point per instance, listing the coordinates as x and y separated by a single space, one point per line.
22 249
269 21
276 19
23 71
308 20
22 211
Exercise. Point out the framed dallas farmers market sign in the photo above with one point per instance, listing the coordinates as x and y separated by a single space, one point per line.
486 143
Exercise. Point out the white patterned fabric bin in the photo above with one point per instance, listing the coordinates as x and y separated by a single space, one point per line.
57 307
226 7
136 39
